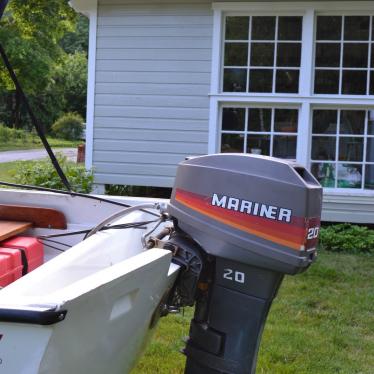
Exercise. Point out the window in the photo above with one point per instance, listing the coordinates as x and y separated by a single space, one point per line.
343 148
261 131
296 81
344 57
262 54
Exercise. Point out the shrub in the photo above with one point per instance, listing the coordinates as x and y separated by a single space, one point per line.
8 134
69 127
5 133
347 238
43 174
138 191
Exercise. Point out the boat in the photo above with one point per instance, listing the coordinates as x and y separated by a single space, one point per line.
77 312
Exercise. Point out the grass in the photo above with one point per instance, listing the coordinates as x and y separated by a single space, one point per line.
322 322
8 170
35 143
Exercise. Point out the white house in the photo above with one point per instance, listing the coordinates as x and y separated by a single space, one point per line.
171 78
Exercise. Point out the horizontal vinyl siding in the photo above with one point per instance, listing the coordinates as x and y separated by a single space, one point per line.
152 88
348 208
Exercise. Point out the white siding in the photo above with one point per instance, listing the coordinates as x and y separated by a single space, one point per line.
152 87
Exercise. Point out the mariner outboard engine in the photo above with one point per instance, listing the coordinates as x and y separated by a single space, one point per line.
242 222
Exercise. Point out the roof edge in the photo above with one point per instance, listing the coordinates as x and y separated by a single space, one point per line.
85 7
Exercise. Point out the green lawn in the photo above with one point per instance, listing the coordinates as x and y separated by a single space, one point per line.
35 143
8 170
322 322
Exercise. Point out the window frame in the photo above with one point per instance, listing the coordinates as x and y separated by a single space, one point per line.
305 100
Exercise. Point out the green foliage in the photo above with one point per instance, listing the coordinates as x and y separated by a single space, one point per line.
70 83
76 40
347 238
69 126
43 174
32 33
143 191
7 134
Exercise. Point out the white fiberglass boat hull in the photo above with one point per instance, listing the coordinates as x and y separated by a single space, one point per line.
110 289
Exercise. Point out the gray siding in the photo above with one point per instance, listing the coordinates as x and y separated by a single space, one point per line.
152 87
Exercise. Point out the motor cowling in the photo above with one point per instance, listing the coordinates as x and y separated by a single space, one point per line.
254 219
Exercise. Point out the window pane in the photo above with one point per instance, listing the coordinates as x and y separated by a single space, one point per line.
325 174
324 121
324 148
327 55
260 80
237 28
349 176
351 149
371 89
354 82
284 146
258 144
290 28
262 54
263 28
329 27
259 119
234 80
370 150
352 122
371 122
236 54
372 55
289 54
233 119
369 177
287 81
355 55
286 120
232 143
326 82
356 27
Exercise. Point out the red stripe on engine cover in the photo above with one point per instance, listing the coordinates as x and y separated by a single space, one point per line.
292 235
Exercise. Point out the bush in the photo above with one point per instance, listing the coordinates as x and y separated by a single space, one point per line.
8 134
69 127
43 174
347 238
5 134
138 191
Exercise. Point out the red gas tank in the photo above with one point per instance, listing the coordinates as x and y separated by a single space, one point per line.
31 251
10 266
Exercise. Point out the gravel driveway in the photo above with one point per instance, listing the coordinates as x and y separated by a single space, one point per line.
35 154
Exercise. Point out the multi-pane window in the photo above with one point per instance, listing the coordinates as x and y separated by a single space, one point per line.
343 148
262 54
262 131
344 55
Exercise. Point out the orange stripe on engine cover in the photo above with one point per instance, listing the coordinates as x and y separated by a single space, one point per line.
200 205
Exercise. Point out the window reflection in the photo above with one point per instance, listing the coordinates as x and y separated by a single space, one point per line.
339 146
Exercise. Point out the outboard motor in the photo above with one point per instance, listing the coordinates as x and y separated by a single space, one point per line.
242 222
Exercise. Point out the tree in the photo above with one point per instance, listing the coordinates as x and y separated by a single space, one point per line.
70 83
30 32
